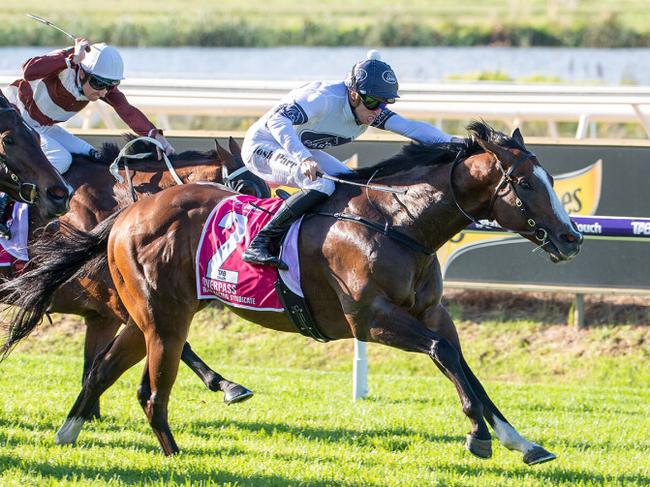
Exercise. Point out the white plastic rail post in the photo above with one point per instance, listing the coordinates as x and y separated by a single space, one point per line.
360 371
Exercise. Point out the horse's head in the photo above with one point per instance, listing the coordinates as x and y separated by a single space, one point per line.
25 173
236 175
521 196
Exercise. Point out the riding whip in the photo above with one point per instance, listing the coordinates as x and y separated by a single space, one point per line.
377 187
50 24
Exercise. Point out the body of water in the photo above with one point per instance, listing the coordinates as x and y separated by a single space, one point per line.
608 66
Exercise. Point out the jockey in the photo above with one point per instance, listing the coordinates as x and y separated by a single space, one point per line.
56 86
286 145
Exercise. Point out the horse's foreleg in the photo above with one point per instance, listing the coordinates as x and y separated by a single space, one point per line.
507 434
232 392
124 351
392 326
100 330
438 320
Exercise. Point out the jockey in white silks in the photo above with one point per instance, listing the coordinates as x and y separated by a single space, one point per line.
286 145
58 85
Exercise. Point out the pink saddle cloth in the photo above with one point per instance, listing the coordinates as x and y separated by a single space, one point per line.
6 259
15 248
220 272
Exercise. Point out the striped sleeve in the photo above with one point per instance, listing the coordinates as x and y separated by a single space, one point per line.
134 118
40 66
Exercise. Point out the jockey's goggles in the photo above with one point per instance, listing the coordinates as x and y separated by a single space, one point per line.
373 102
98 83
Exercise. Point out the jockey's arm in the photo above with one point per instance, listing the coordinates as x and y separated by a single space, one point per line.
134 118
283 132
40 66
422 132
281 126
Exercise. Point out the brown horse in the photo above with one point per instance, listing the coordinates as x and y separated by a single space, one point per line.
97 195
25 173
359 283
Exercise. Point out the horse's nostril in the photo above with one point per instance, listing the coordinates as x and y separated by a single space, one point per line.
575 237
58 192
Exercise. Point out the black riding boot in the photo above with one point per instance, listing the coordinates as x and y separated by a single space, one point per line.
264 248
4 229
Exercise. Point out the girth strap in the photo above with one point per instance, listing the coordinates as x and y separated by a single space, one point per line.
299 312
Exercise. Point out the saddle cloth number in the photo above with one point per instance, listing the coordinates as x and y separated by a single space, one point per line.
229 220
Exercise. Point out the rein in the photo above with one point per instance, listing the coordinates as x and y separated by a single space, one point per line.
506 181
114 167
31 194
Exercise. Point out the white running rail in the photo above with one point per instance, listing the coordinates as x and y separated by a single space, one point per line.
510 103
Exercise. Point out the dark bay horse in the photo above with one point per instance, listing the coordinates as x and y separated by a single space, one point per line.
98 195
25 173
359 283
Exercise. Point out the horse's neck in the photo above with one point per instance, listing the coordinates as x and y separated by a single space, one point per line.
427 211
147 178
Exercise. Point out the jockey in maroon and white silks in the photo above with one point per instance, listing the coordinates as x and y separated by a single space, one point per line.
286 145
58 85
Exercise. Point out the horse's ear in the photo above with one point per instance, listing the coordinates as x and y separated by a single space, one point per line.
223 156
235 150
488 146
517 137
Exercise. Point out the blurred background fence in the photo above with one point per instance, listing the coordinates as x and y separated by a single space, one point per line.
512 104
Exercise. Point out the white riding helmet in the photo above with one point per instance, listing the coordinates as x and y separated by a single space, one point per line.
104 61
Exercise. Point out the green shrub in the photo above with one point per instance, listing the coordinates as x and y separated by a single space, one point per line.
253 31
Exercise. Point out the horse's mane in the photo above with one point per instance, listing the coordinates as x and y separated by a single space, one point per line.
4 103
110 150
418 155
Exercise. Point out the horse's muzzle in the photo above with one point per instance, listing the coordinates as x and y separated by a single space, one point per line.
565 246
58 199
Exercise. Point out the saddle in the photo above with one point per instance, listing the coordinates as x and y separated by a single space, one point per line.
222 274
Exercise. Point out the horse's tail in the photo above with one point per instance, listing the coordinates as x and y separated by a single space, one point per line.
53 262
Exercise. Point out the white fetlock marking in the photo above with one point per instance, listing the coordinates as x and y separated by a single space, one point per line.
69 432
510 438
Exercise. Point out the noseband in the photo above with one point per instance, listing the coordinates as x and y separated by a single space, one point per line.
27 192
507 182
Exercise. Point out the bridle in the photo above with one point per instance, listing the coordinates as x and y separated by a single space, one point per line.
27 192
507 182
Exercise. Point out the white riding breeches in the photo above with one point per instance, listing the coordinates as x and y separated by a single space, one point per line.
58 145
271 162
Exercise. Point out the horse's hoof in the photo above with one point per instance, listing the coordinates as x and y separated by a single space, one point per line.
236 393
538 455
69 432
479 448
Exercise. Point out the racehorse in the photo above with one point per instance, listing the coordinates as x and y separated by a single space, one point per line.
25 173
97 195
378 282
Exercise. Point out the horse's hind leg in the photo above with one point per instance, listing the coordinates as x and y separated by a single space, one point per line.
232 392
100 330
438 319
163 357
125 350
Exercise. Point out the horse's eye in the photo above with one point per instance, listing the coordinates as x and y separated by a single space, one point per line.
525 184
8 140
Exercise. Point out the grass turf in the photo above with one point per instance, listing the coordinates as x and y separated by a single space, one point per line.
301 428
